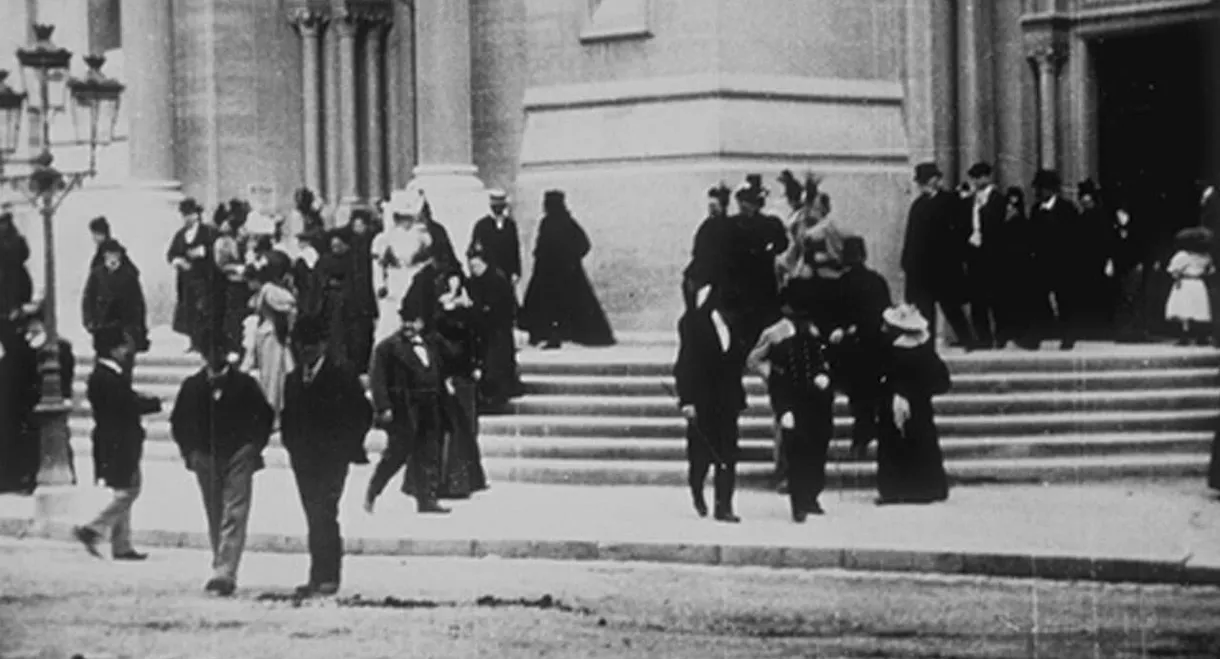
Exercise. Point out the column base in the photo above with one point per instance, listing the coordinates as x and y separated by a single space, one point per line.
457 197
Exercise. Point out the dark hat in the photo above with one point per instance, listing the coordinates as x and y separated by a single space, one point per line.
309 331
342 233
720 191
792 187
99 224
6 216
476 250
1047 179
189 206
979 170
1194 239
111 245
1086 188
415 304
854 250
108 338
799 299
926 171
554 197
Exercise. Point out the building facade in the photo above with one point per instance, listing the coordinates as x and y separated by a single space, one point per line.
635 107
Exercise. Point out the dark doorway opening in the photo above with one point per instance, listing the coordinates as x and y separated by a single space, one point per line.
1157 132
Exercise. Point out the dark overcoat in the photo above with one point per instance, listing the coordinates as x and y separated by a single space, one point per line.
118 434
326 421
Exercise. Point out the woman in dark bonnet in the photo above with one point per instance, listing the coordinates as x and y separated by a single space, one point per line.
560 304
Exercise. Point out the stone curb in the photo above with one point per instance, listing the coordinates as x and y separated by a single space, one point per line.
1020 566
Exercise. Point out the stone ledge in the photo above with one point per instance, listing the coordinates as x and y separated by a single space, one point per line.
1050 567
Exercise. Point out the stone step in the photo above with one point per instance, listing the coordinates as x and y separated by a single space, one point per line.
1172 378
840 474
951 427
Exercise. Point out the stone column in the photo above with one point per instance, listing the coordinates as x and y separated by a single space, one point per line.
311 24
349 129
148 39
400 94
976 90
374 105
446 171
330 97
1048 60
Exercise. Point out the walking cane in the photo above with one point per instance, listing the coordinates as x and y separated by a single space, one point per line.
694 426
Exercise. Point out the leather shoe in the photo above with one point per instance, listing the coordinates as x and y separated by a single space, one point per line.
700 503
798 516
220 586
88 537
324 589
814 508
432 508
728 518
131 556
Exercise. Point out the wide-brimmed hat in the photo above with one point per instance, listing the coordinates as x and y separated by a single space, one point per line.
189 206
1047 179
405 203
497 196
926 171
1194 239
905 318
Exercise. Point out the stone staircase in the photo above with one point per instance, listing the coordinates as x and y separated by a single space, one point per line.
607 417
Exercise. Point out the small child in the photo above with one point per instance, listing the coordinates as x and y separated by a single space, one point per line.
1188 302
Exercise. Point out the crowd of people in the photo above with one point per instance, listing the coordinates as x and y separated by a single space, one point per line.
795 302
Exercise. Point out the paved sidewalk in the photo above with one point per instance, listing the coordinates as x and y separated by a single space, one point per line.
1166 532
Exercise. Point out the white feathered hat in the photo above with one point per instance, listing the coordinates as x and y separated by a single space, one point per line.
408 202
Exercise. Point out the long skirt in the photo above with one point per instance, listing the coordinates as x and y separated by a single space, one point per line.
910 465
461 463
501 379
273 361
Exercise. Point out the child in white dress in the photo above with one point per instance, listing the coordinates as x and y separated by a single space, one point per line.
1189 302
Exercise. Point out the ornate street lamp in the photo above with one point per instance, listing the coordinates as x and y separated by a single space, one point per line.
96 97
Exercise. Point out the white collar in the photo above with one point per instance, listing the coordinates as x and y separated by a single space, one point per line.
110 364
312 370
1049 204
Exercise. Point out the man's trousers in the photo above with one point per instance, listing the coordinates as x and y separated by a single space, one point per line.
711 439
419 449
116 517
806 443
226 485
926 301
320 481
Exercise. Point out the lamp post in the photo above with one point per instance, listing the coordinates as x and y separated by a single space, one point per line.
45 71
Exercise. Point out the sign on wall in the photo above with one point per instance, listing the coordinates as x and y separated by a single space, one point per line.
262 197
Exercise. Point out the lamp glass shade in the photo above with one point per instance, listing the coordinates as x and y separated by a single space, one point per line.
12 104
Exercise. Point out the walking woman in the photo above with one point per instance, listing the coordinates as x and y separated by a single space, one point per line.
276 308
560 304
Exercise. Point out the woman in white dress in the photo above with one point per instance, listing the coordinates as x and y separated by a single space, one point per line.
276 308
399 253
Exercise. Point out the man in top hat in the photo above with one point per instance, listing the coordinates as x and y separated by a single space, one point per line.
221 423
987 209
190 253
751 291
711 241
933 252
711 397
118 438
1059 248
325 419
496 234
791 358
408 393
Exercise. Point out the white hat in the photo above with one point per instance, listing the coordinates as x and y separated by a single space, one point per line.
405 202
258 223
905 318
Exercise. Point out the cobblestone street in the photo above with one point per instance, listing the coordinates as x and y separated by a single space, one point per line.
55 601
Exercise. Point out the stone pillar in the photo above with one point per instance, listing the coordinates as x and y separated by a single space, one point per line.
1048 60
348 191
400 95
976 88
374 105
944 57
446 171
311 24
148 44
330 97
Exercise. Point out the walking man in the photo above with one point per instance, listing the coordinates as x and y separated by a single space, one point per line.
932 254
407 396
325 419
711 397
221 423
500 241
118 438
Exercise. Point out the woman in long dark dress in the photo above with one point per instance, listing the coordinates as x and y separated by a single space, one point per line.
560 304
496 310
190 253
454 335
910 465
20 389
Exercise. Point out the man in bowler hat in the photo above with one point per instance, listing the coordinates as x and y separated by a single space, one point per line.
933 253
221 423
118 438
325 419
408 392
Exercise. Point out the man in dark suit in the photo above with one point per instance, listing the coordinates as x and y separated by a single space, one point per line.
858 363
750 288
711 397
325 419
933 252
118 438
1060 247
983 278
221 423
113 295
408 392
497 235
707 263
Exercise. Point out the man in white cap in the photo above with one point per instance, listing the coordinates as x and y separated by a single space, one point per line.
497 235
